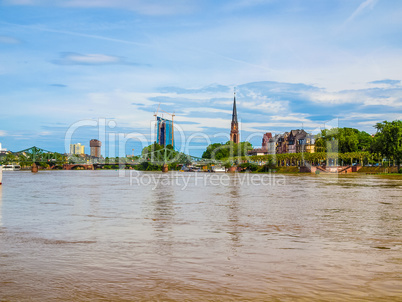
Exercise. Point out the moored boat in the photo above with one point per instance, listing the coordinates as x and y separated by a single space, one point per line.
11 167
218 169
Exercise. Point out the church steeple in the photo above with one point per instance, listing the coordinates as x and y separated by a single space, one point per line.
234 114
234 129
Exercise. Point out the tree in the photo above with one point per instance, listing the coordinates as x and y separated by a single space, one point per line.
156 155
365 141
208 152
348 140
216 151
328 140
388 140
219 151
343 140
239 149
147 151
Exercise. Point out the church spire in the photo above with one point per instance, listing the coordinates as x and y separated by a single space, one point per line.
234 114
234 129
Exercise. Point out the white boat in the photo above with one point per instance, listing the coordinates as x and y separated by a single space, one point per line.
218 169
11 167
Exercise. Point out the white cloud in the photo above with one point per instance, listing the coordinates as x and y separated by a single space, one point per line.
329 97
369 97
295 117
3 133
45 133
145 7
267 107
368 4
256 127
206 109
21 2
242 4
370 123
70 58
93 59
9 40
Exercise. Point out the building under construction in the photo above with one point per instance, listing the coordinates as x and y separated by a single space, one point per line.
164 129
164 132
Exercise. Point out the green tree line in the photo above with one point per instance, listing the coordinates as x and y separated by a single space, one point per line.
221 151
337 145
386 143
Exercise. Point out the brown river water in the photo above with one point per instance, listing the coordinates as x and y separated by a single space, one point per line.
101 235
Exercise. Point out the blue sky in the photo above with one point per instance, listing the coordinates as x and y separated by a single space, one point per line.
294 62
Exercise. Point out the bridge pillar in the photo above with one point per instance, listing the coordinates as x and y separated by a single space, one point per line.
165 168
232 169
34 168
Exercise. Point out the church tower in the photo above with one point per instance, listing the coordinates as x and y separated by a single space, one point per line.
234 129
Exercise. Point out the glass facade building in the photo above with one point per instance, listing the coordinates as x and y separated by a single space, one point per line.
164 132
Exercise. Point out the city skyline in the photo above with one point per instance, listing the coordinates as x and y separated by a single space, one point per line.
293 62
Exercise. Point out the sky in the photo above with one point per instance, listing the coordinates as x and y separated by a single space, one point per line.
75 70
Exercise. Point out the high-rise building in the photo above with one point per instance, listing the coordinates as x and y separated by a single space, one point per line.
77 149
234 129
2 150
164 132
95 146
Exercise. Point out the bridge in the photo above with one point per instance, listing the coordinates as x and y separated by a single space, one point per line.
36 156
75 166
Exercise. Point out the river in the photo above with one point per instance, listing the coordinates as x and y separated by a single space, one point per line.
102 235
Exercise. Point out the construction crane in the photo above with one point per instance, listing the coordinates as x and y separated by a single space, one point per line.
156 113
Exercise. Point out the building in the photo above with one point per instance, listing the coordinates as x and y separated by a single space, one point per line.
95 146
2 151
306 144
164 132
295 138
77 149
272 144
265 140
295 141
265 146
234 129
282 143
257 151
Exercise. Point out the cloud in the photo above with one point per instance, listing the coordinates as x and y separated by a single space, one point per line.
71 33
3 133
58 85
45 133
144 7
387 82
20 2
9 40
262 107
244 4
207 89
372 99
368 4
71 58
